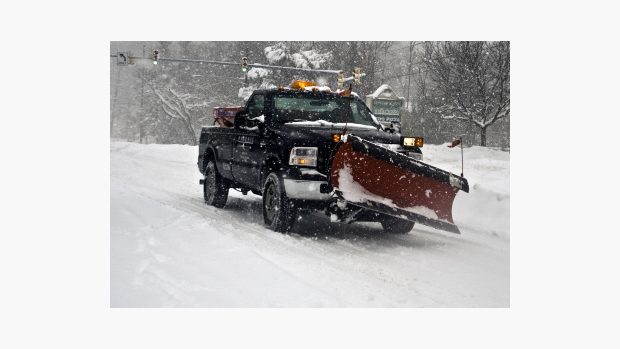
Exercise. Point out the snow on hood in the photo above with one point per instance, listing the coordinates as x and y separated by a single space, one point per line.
329 123
324 130
318 88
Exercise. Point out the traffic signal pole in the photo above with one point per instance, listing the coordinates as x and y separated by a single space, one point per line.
255 65
126 59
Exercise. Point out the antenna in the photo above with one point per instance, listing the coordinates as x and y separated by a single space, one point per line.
461 139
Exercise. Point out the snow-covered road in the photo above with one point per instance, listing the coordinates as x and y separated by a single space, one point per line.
168 249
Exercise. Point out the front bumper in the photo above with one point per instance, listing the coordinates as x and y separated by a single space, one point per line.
306 183
305 189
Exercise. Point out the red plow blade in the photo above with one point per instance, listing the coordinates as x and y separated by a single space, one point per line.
373 177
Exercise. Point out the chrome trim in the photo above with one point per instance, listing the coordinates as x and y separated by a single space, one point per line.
305 190
417 156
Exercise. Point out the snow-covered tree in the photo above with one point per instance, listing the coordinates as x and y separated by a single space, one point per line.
471 80
137 113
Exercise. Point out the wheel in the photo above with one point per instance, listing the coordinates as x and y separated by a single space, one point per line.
215 188
279 212
395 225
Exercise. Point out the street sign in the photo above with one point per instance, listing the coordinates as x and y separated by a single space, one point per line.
385 105
387 109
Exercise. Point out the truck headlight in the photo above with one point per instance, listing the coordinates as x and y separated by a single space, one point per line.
303 156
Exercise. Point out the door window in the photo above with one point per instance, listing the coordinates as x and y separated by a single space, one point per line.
256 106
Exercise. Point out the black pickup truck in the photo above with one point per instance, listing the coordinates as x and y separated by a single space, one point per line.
280 147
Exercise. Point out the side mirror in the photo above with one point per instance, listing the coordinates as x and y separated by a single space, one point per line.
244 122
393 128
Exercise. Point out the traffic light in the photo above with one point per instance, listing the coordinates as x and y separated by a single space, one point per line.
341 80
244 64
357 75
122 58
155 56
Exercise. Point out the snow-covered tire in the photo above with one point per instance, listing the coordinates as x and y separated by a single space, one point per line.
395 225
279 212
215 189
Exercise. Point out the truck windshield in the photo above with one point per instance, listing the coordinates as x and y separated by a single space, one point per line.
316 108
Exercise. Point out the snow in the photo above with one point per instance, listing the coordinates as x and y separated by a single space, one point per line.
309 59
260 118
315 58
299 61
306 171
245 92
318 88
275 53
488 174
255 73
424 211
169 249
329 123
392 147
379 91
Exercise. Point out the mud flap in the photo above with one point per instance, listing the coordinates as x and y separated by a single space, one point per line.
370 176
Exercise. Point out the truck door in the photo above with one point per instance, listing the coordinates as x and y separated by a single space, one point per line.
248 151
223 145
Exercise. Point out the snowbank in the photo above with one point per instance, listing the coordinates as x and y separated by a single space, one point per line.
486 208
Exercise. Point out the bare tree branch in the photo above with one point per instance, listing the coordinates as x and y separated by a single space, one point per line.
472 80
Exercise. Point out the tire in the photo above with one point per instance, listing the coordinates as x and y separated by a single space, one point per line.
395 225
215 189
279 212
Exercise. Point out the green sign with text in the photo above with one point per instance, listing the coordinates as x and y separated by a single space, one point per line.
387 110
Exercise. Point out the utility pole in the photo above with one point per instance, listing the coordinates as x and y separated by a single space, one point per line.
244 63
422 108
385 52
115 102
409 73
141 115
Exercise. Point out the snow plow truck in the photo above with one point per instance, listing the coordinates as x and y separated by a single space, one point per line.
308 147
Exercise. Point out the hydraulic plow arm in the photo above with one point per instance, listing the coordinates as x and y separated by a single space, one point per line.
373 177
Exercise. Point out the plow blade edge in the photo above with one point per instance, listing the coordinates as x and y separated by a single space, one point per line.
373 177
